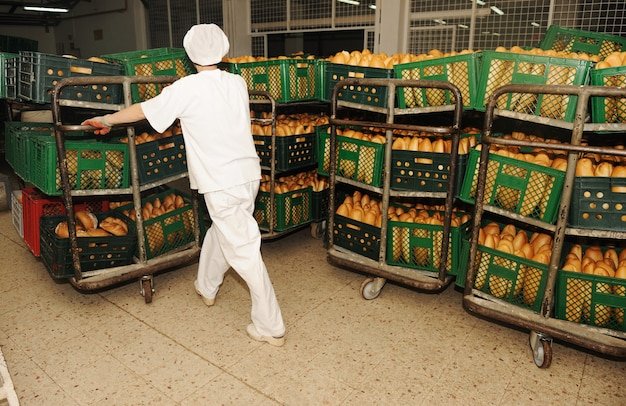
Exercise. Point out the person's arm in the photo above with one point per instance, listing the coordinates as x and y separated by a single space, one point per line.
103 124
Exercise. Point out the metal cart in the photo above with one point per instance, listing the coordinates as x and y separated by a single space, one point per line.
143 268
421 279
263 98
543 327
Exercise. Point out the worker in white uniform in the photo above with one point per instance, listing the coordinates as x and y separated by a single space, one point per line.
213 108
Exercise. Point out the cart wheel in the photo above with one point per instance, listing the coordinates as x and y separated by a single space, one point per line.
317 229
147 288
370 289
542 349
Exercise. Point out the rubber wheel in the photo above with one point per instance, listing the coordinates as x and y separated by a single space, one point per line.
318 229
542 354
368 290
146 288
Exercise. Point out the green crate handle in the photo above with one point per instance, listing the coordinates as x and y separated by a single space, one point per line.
302 70
529 79
296 199
609 299
165 72
176 226
260 78
501 271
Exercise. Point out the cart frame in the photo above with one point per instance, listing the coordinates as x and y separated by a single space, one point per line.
420 279
543 326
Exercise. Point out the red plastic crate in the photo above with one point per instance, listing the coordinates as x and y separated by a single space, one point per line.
36 205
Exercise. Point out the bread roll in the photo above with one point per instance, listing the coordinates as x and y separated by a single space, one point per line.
87 219
97 232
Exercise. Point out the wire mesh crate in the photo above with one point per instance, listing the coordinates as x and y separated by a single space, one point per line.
152 62
292 152
608 109
368 95
502 68
286 80
8 75
598 203
291 209
459 70
573 40
356 236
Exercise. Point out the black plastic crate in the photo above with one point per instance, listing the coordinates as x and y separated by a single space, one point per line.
358 237
94 252
292 152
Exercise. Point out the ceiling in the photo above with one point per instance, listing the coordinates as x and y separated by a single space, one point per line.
13 13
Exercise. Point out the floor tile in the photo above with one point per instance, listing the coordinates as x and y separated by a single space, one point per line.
226 390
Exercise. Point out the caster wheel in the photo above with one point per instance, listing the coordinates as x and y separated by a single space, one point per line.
542 350
318 229
147 289
369 290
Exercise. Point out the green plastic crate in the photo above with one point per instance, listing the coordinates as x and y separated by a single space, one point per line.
161 158
290 209
321 91
94 252
418 246
513 279
91 164
373 96
598 204
319 205
152 62
17 136
358 160
424 171
572 40
520 187
8 75
464 252
503 68
608 109
168 231
39 73
292 152
459 70
286 80
356 236
591 299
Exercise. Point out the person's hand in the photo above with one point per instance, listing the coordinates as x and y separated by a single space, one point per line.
100 123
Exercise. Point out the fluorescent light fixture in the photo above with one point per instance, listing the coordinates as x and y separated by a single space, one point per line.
497 10
486 32
480 2
534 24
438 21
372 6
353 2
496 34
47 9
463 26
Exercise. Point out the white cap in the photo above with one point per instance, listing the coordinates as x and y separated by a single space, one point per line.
206 44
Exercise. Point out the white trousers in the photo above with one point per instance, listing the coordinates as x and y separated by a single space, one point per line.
234 240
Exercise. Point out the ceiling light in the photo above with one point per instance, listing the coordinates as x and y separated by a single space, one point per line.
534 24
480 2
353 2
463 26
372 6
497 10
48 9
486 32
496 34
440 21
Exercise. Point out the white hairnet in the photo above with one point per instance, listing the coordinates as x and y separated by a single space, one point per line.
206 44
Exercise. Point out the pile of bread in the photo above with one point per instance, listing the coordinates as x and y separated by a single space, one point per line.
594 261
153 136
157 207
612 60
549 52
87 225
293 124
360 207
250 58
286 184
423 143
366 58
509 240
424 214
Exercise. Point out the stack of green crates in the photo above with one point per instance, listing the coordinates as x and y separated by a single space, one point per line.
152 62
18 137
572 40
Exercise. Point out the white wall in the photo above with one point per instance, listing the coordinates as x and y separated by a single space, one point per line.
45 38
122 24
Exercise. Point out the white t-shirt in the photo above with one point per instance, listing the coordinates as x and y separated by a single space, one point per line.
213 108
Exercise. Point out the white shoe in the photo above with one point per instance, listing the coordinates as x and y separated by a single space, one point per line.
207 300
254 334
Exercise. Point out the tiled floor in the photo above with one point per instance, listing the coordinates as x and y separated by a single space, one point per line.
404 348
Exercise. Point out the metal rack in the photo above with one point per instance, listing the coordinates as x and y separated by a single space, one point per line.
542 325
142 268
421 279
263 98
